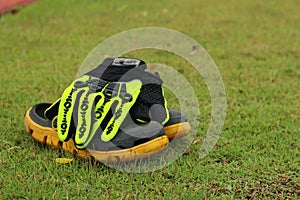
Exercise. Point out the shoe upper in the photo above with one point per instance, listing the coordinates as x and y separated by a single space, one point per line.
119 104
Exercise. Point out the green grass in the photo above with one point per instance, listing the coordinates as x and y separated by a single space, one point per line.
256 47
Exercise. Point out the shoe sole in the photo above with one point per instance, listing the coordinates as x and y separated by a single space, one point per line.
177 130
48 136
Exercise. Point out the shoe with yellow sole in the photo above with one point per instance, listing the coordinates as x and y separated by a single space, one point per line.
109 114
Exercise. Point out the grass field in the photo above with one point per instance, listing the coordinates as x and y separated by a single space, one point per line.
255 45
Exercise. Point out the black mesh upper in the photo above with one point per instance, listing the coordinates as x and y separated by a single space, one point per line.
151 92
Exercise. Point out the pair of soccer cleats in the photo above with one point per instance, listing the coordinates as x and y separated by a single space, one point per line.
115 112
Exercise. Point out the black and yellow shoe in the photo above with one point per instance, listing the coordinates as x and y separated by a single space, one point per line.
115 112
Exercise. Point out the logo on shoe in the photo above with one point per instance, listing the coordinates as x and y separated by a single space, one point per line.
84 106
93 86
116 117
126 61
100 110
67 106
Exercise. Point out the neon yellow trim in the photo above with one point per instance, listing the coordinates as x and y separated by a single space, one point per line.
140 120
133 88
166 108
86 127
102 107
82 142
84 117
56 102
65 110
52 123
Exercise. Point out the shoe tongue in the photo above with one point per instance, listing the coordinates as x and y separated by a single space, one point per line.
124 69
113 69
